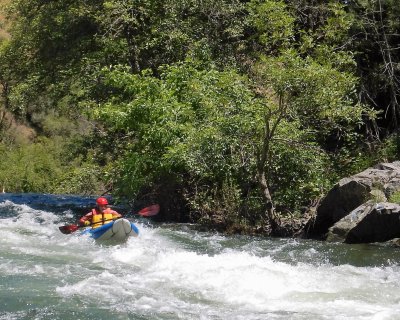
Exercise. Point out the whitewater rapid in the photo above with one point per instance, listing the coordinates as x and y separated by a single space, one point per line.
176 272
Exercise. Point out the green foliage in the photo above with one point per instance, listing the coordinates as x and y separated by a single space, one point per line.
299 169
200 95
204 127
189 126
217 206
375 40
153 33
49 58
44 166
319 95
188 120
395 197
85 179
273 22
389 150
30 168
355 158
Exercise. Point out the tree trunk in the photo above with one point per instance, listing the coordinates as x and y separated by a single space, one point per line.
133 55
263 160
270 213
389 70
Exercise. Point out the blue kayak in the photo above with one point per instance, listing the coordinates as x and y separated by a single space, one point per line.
118 230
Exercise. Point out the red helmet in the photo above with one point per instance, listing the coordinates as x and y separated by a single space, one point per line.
101 201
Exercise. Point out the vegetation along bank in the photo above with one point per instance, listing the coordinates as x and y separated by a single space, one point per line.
239 115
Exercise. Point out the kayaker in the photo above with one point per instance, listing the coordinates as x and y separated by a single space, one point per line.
100 215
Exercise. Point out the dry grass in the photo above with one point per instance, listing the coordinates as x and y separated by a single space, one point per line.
3 33
16 131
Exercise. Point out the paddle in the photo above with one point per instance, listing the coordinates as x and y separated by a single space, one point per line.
150 210
69 228
145 212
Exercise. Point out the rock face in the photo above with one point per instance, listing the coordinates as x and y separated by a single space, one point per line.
370 222
351 204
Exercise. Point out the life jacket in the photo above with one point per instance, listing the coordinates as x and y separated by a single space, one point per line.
100 218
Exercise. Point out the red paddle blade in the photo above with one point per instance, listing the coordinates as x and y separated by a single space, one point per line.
67 229
150 211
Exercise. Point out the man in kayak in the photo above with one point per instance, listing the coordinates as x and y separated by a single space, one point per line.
100 215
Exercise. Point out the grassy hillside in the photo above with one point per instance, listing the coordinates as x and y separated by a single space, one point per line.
3 26
10 129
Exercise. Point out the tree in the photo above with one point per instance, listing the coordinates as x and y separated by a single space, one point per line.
305 77
376 41
203 127
150 33
50 55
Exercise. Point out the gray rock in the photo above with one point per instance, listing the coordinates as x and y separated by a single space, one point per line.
370 222
376 184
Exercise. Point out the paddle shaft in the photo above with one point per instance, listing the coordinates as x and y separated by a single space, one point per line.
70 228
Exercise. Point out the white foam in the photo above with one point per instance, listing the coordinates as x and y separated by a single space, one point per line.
157 274
181 280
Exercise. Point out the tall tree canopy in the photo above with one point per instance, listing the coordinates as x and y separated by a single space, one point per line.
230 112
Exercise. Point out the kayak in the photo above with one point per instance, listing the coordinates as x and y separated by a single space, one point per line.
118 230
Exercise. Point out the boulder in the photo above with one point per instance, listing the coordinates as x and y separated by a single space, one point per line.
376 184
370 222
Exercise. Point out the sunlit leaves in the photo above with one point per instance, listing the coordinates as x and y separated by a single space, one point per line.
188 91
208 125
189 118
319 95
274 23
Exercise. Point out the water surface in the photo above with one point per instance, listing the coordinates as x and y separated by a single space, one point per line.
176 272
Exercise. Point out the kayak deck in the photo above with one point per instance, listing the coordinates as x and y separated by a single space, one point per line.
118 230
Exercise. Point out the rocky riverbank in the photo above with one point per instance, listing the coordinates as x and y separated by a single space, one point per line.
360 209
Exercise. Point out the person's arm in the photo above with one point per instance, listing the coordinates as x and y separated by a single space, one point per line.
86 219
115 215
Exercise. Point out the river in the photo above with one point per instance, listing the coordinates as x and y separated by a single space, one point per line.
174 271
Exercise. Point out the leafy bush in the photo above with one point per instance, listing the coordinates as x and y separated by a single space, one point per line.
30 168
395 197
44 167
203 129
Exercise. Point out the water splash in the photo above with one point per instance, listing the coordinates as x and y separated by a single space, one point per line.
176 272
